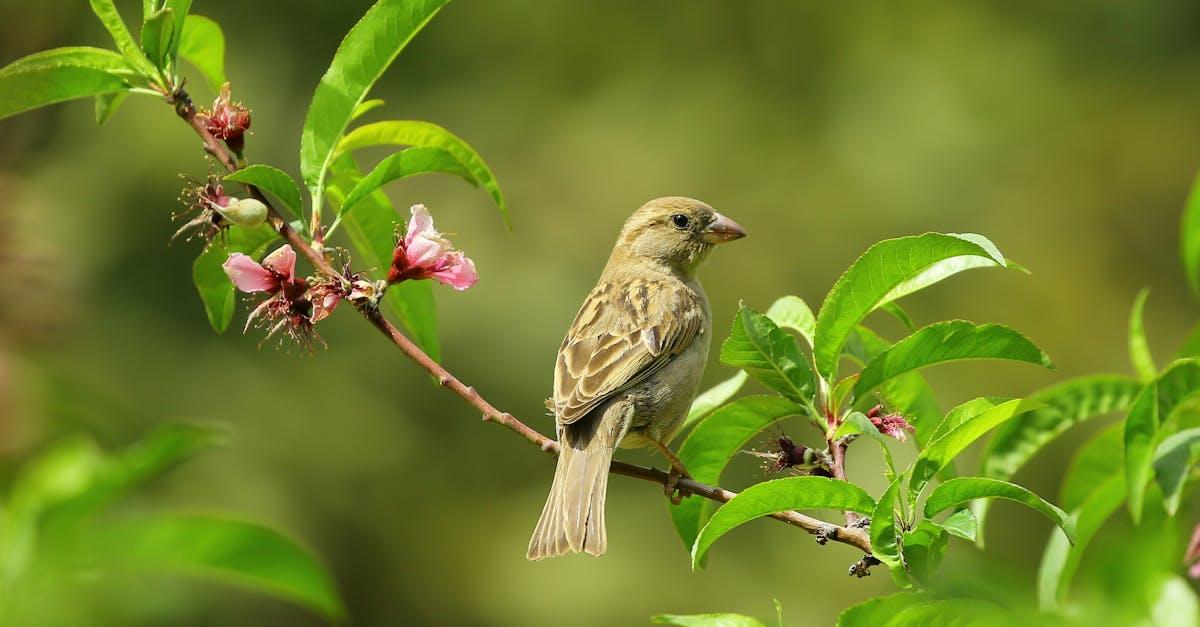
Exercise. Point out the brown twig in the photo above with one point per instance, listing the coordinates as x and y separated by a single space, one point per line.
186 110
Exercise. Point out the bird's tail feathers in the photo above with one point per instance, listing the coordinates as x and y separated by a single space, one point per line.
573 517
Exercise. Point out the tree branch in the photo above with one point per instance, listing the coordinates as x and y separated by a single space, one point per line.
186 110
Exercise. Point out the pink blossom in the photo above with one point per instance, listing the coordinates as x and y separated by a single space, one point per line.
424 254
893 425
276 270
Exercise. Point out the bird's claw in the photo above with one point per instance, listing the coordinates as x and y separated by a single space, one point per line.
671 487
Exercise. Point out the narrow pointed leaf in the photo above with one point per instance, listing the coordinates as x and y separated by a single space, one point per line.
708 449
111 18
923 548
1139 348
943 450
780 495
769 354
223 550
909 393
426 134
884 532
1061 558
365 53
962 524
1091 465
371 228
409 162
880 610
707 620
966 489
949 341
1189 238
273 180
61 74
157 33
887 271
964 412
712 398
897 312
1064 405
1143 425
203 45
1173 460
107 105
366 107
179 9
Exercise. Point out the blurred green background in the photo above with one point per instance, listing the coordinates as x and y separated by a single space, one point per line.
1064 131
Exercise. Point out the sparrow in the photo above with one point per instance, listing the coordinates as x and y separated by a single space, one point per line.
630 365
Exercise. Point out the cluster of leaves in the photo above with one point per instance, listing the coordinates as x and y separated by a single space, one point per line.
328 147
55 534
905 537
1144 460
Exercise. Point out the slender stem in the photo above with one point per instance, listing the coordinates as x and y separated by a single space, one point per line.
186 110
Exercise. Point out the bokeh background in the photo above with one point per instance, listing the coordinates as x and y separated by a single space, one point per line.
1064 131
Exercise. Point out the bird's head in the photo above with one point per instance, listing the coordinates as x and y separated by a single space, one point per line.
675 231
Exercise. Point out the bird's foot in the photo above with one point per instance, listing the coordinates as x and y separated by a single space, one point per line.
671 487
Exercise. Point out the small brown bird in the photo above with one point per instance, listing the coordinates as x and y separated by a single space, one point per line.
630 365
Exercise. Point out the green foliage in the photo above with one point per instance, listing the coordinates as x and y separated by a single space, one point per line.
712 398
780 495
1139 349
707 620
59 75
226 551
946 447
768 354
887 271
420 134
158 37
202 44
1146 422
949 341
880 610
111 18
1189 238
273 180
417 160
965 489
1061 558
1173 461
709 447
52 527
366 51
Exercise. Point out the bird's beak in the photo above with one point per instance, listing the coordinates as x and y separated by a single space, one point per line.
722 230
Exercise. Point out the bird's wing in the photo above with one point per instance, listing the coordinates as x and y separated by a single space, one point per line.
624 332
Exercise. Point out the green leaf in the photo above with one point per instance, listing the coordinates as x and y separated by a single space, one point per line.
953 613
857 423
111 18
897 312
180 10
1092 464
365 107
157 35
1177 605
58 75
371 228
769 354
708 449
215 289
962 524
964 412
878 611
426 134
409 162
791 312
780 495
707 620
1060 559
273 180
923 549
1174 458
1144 423
365 53
203 45
228 551
884 532
107 105
888 270
1189 238
712 398
1139 349
1191 344
965 489
909 394
941 451
949 341
1064 405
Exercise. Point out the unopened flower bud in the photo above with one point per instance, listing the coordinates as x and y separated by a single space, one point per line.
244 211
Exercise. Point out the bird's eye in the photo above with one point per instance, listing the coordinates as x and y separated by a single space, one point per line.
680 221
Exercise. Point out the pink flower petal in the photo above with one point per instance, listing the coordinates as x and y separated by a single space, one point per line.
419 224
457 271
324 306
424 249
282 261
247 275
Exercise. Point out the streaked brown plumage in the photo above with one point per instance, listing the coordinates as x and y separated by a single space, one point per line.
630 364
